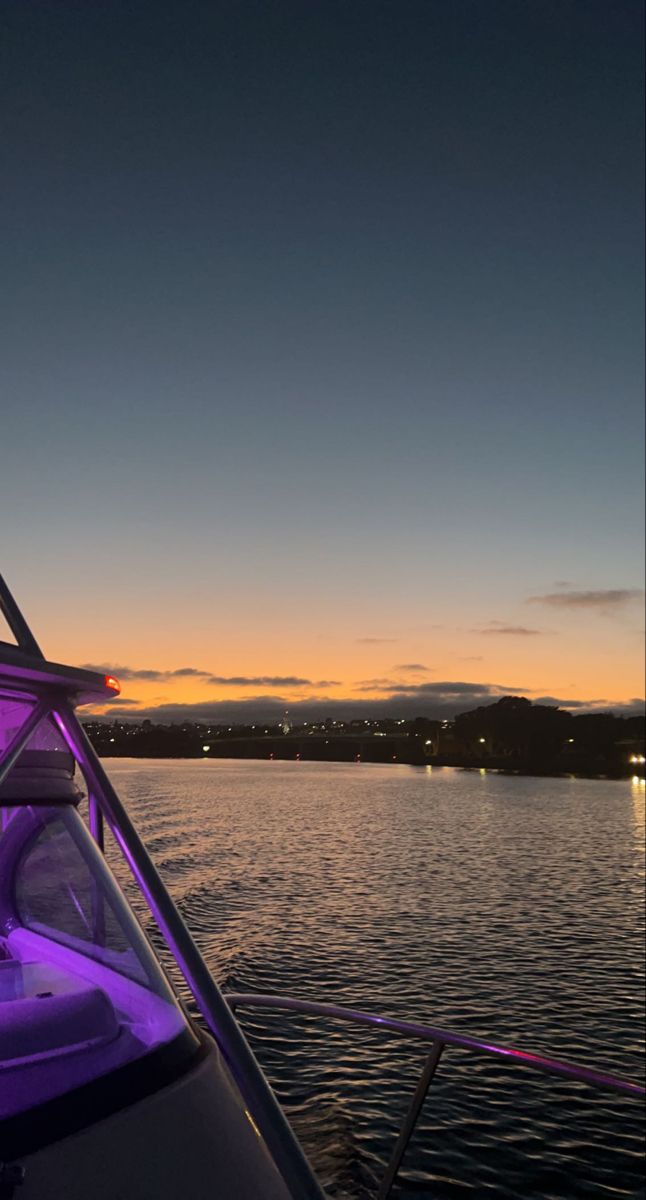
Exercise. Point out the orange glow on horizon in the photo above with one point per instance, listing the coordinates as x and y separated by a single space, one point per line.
367 674
168 657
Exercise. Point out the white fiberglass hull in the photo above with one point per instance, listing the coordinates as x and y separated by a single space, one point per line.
193 1139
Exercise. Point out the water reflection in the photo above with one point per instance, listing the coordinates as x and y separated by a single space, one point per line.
638 792
505 907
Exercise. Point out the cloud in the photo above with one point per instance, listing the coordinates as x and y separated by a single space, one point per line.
627 708
270 681
379 685
398 688
183 671
376 641
497 627
442 699
124 673
254 709
428 700
148 675
411 667
631 708
470 657
448 688
603 600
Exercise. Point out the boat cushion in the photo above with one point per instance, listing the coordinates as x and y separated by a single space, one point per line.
48 1013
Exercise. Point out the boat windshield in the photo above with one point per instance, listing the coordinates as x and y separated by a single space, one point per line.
81 993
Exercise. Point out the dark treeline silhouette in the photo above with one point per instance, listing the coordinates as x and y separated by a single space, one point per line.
512 734
546 738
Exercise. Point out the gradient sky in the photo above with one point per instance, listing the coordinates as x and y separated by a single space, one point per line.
322 348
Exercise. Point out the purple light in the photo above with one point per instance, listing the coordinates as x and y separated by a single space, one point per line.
80 990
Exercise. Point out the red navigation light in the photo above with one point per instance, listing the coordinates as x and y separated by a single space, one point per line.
113 684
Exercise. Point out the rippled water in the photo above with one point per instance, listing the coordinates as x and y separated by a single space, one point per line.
507 908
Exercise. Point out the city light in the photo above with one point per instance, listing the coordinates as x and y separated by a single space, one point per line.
206 748
637 758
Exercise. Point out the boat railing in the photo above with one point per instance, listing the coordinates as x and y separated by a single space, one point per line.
439 1039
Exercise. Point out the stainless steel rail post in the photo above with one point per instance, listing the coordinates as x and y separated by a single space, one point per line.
95 819
16 622
22 736
410 1121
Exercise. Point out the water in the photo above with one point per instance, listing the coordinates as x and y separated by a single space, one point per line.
507 908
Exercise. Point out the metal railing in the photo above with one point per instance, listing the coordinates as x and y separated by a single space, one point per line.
439 1039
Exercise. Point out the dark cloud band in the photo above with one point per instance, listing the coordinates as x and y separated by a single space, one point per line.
603 600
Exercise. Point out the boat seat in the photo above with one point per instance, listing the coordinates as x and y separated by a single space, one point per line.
46 1013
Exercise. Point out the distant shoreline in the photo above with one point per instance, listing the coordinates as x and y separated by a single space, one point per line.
250 751
512 736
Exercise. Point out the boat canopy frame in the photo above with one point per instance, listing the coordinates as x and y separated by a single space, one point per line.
54 691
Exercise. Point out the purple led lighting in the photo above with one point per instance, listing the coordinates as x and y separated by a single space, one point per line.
75 749
14 710
15 746
61 688
81 993
271 1121
157 1020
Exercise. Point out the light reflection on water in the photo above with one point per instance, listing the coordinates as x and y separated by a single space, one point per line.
503 907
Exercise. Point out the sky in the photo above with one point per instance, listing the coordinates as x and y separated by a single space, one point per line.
321 364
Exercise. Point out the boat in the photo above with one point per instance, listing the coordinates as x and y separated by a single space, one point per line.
109 1088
